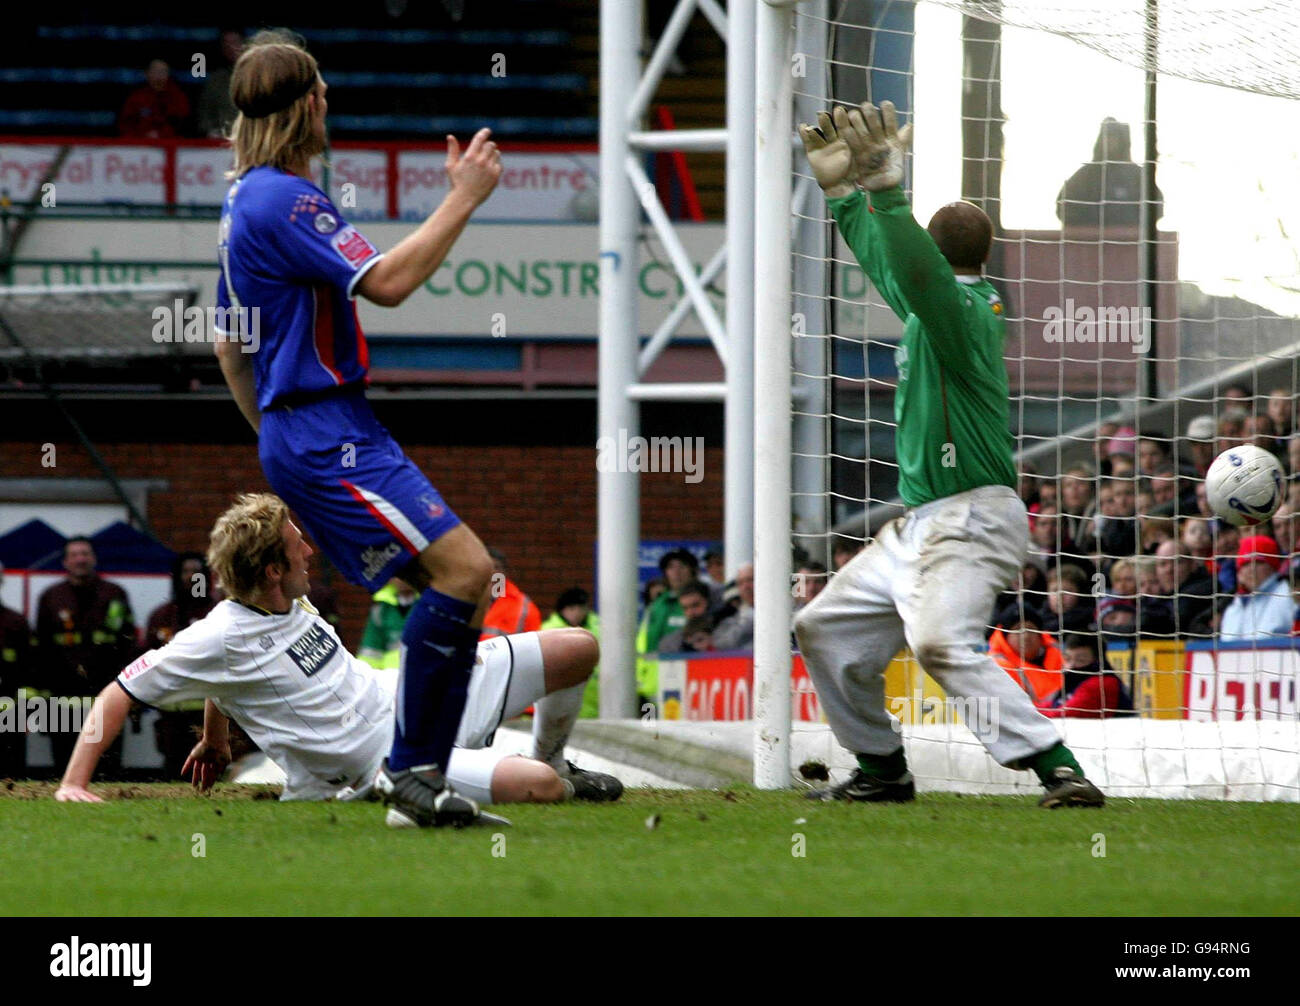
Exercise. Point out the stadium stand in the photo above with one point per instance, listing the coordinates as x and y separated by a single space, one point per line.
416 76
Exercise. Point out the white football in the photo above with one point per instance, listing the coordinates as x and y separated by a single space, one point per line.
1245 485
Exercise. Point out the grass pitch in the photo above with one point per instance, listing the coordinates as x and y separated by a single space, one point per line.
654 852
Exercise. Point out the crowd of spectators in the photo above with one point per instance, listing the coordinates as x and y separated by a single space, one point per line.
1122 548
1126 548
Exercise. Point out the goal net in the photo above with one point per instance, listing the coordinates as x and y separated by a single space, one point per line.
1151 308
101 322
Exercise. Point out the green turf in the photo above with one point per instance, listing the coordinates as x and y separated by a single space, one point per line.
709 853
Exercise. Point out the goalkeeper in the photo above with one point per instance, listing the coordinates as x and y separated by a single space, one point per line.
931 576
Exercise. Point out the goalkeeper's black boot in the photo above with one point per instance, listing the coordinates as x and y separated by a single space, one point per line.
1069 789
863 788
594 786
421 797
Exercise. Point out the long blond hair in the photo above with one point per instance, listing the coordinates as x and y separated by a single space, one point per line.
246 539
271 87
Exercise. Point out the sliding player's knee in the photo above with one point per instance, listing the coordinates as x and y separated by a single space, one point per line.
584 654
524 780
568 656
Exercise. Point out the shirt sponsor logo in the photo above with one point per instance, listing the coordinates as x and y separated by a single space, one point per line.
313 649
326 223
141 664
373 560
352 246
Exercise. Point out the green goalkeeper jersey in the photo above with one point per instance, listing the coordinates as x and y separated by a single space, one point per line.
952 399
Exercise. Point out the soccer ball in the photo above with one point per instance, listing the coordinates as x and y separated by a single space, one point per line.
1244 485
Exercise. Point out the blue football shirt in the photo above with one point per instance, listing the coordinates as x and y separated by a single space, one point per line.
287 252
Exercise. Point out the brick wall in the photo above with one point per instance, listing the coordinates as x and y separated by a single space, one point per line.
537 503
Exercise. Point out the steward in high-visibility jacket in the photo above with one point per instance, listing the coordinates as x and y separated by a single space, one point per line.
1028 654
381 642
574 603
510 613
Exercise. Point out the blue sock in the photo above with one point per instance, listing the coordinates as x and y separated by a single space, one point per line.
438 655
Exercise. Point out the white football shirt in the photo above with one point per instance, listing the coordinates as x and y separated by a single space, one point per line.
322 715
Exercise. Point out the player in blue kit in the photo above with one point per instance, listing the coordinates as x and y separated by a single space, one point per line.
290 269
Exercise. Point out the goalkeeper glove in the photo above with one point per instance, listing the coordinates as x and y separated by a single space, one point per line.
829 157
877 144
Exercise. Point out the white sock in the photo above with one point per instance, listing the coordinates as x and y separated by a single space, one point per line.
553 722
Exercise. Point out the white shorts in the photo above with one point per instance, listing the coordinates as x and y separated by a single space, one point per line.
507 678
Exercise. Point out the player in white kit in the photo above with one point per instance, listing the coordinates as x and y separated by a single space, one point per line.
267 660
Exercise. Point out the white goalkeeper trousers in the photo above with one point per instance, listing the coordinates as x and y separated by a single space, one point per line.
929 580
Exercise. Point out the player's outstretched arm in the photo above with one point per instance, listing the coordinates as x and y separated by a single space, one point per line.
416 257
830 149
211 755
919 274
99 731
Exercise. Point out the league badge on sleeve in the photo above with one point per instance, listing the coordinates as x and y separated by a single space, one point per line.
432 507
352 246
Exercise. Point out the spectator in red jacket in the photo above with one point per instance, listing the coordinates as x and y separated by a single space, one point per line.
157 110
1089 689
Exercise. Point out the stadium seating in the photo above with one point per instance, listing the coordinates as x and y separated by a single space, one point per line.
417 76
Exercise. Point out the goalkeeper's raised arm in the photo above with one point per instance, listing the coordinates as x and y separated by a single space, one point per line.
951 404
911 268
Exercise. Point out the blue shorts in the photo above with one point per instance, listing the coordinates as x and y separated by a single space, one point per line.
358 496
